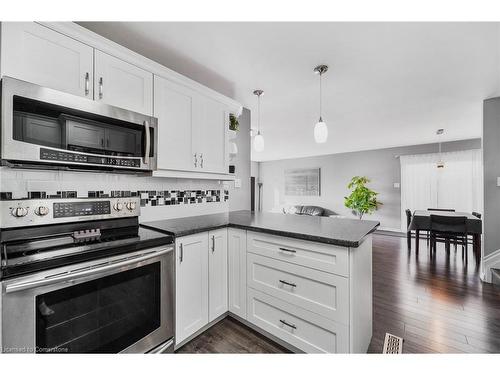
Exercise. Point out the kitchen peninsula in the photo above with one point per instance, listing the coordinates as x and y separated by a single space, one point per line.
303 281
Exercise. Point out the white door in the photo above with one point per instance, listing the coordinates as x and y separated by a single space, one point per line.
217 273
122 84
237 264
212 136
34 53
191 285
174 107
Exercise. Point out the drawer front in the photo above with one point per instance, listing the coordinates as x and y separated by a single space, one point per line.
316 291
303 329
323 257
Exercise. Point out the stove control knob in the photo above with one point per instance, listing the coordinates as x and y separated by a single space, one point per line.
42 211
19 211
118 206
131 206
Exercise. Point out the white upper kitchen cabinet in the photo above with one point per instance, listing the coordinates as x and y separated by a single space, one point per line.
191 285
217 273
122 84
212 137
34 53
174 106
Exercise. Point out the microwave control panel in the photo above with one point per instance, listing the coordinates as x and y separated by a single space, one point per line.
65 157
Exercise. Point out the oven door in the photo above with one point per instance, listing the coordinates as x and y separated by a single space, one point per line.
119 304
42 126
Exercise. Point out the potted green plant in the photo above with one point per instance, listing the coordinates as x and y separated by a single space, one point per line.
362 200
233 123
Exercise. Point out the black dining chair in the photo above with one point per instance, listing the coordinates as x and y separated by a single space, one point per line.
409 232
441 209
448 229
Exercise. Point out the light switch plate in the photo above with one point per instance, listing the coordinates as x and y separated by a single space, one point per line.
498 181
397 185
237 183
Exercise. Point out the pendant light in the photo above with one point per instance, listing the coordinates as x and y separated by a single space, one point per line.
440 163
320 129
258 141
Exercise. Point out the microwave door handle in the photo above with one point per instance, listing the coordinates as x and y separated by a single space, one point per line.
17 287
148 143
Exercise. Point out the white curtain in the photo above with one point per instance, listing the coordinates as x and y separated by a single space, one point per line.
458 185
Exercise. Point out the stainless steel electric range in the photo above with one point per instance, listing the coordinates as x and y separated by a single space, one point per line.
81 276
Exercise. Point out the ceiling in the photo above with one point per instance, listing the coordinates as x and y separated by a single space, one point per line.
389 84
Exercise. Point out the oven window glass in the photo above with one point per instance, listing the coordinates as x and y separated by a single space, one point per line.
49 125
105 315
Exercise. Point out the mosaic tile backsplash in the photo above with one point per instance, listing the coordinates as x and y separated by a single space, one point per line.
147 197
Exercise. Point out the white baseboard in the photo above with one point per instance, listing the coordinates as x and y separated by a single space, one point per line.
490 261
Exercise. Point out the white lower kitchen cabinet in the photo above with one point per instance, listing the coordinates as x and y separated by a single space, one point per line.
237 272
217 273
191 285
313 296
299 327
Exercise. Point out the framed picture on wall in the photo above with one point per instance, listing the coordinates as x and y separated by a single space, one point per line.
301 182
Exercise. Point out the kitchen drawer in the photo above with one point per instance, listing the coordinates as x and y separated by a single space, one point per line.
323 257
303 329
313 290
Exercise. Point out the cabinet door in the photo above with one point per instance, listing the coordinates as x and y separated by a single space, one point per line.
34 53
174 107
237 263
191 285
212 136
122 84
217 273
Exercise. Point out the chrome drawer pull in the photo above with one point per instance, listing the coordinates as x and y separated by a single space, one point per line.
288 283
288 250
181 251
293 326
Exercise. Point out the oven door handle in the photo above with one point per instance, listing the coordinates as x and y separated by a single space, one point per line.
68 276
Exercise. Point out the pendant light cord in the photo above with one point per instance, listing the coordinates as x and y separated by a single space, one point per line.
320 98
258 116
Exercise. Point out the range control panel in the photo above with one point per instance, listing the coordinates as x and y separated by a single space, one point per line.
71 209
26 212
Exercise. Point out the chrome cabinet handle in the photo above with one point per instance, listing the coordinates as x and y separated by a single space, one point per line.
102 142
195 160
147 149
288 283
100 88
213 244
288 324
87 83
288 250
181 253
201 162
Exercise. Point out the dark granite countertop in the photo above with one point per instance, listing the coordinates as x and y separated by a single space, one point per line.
330 230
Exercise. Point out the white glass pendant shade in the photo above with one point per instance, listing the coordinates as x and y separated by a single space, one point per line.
258 142
320 131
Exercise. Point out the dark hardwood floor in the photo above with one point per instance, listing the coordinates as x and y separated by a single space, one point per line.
437 305
231 336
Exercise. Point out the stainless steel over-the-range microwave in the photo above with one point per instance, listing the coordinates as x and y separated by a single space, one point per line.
46 128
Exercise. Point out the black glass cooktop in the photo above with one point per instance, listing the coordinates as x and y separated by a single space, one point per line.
67 246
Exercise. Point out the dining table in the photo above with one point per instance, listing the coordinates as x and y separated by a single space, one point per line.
421 221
